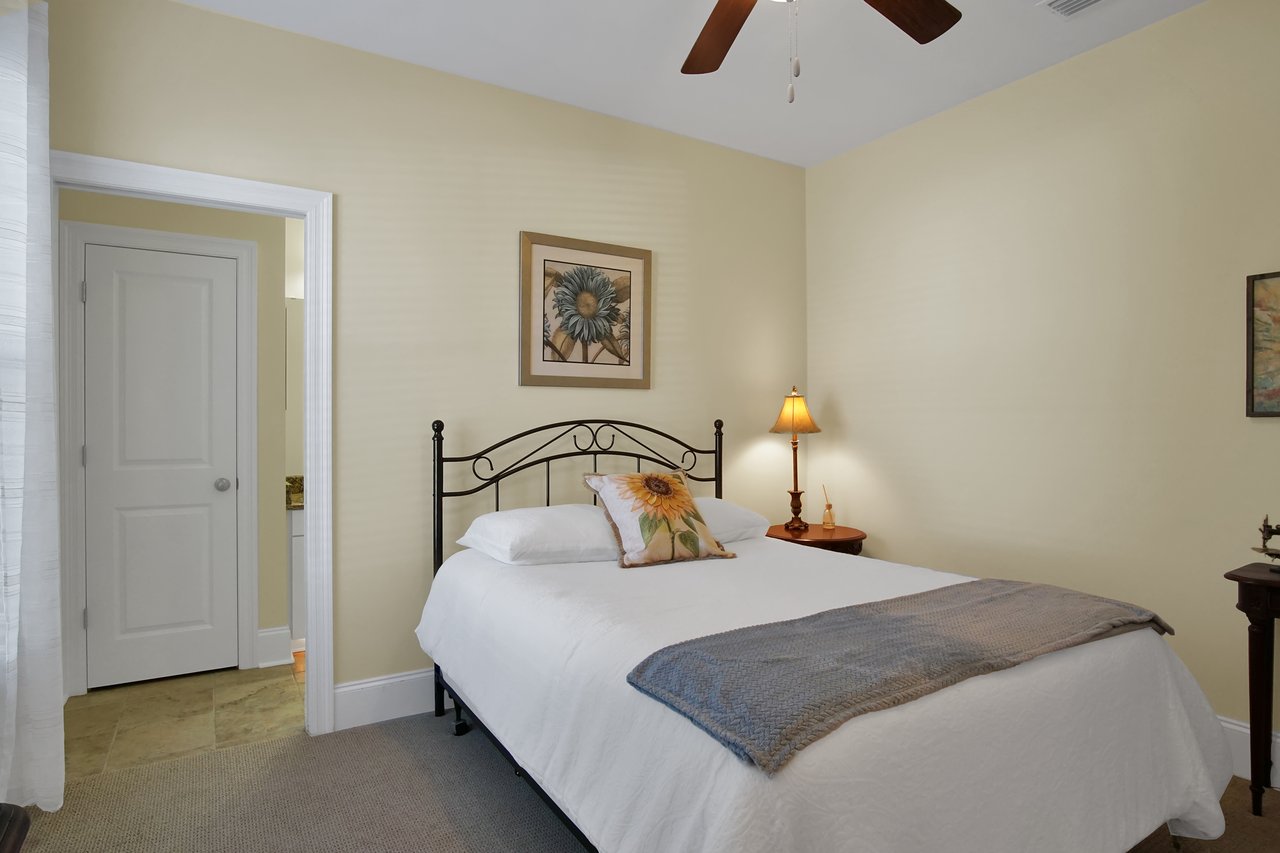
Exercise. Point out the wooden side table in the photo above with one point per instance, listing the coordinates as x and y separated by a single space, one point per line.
846 540
1259 600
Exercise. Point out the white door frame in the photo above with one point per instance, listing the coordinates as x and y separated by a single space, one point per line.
119 177
72 238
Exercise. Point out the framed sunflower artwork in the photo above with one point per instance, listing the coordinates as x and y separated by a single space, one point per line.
584 313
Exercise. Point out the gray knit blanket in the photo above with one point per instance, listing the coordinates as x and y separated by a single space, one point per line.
768 691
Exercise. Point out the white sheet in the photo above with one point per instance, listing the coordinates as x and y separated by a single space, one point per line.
1091 748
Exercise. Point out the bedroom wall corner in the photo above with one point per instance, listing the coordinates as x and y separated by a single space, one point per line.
1045 373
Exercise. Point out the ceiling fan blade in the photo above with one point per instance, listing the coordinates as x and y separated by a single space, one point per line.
923 20
717 36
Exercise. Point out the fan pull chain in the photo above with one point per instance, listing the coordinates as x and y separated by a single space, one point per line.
793 28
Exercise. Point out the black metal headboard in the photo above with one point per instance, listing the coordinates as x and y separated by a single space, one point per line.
565 440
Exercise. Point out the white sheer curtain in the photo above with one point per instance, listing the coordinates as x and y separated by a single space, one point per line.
31 760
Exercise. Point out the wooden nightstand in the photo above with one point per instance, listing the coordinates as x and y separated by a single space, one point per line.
846 540
1259 599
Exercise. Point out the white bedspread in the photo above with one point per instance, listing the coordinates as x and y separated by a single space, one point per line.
1086 749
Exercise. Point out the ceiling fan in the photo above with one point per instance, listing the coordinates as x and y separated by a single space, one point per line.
923 20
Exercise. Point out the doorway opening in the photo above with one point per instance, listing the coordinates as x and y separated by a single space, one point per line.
119 178
177 370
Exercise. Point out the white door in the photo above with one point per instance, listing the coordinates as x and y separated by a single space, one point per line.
160 463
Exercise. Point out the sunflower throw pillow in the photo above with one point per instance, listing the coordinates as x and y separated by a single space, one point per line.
654 518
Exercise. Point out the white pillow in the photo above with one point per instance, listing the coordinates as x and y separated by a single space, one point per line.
531 536
729 522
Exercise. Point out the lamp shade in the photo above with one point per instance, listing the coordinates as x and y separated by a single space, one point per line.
794 417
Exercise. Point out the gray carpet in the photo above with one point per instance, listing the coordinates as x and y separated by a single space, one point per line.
1245 832
404 785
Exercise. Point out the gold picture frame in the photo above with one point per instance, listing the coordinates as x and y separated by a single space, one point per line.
585 319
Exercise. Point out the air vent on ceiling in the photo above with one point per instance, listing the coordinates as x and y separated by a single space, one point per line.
1067 8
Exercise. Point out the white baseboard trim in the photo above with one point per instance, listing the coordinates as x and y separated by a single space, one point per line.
1238 742
299 645
372 700
274 646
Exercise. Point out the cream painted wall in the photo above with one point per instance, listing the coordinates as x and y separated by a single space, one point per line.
295 379
434 177
268 233
294 352
295 261
1026 328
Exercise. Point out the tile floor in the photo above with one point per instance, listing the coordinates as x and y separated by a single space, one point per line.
115 727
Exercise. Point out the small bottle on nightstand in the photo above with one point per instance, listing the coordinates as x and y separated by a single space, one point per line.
828 519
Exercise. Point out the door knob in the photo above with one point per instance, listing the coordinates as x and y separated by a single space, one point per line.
222 484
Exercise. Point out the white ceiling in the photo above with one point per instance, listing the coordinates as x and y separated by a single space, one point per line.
862 78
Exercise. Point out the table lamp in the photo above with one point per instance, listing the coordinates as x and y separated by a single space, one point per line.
795 419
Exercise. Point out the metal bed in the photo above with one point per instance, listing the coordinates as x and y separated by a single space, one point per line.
540 447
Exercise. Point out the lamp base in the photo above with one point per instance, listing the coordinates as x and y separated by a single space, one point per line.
796 522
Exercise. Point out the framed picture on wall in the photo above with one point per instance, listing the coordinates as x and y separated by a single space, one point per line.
584 313
1263 388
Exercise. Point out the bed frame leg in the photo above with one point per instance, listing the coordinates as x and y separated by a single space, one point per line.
460 726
